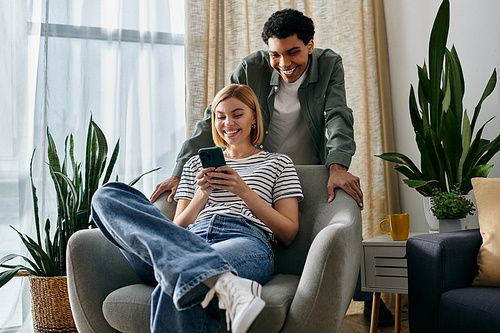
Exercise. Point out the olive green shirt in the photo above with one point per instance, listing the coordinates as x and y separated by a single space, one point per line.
322 100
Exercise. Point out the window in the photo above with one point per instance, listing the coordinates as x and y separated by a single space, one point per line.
121 62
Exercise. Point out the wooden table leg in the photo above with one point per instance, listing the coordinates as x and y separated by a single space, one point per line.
375 311
398 314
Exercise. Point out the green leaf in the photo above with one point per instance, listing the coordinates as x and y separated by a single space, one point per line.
457 85
428 162
452 151
416 119
133 182
56 166
102 151
8 275
49 246
447 96
88 162
112 162
400 159
40 257
35 200
424 91
491 149
72 202
477 149
466 145
419 185
9 257
405 171
479 171
437 47
490 86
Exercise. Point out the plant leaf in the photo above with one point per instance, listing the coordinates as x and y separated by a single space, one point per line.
490 86
416 118
466 144
112 162
35 201
39 255
9 257
133 182
479 171
456 84
400 159
437 47
6 276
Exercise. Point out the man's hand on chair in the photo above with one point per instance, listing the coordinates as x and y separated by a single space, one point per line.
167 185
340 177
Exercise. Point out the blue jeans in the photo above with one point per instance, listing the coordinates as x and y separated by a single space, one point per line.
178 260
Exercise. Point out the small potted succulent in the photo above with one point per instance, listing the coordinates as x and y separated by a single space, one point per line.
450 208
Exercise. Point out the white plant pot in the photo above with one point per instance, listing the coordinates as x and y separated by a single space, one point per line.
433 222
447 225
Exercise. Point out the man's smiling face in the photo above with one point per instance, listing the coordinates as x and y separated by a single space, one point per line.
289 56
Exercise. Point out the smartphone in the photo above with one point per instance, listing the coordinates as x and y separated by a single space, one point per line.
211 157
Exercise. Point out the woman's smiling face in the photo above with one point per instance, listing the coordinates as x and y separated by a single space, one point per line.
234 121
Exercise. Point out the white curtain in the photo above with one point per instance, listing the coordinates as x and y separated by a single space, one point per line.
121 62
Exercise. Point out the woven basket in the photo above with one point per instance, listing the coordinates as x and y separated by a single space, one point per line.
50 305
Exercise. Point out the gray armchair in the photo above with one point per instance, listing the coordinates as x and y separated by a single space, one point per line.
310 291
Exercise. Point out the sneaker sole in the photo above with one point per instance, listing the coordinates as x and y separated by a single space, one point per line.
247 318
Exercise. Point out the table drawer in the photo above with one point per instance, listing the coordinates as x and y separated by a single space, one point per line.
388 282
386 251
385 267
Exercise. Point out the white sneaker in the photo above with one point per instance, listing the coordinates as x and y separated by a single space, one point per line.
240 298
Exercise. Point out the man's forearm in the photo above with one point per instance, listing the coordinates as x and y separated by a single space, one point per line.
202 138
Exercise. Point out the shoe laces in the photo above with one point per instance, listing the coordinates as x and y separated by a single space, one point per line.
229 298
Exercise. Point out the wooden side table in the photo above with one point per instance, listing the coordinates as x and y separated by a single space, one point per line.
383 269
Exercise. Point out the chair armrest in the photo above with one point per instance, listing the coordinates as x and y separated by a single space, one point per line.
438 263
331 270
166 208
95 268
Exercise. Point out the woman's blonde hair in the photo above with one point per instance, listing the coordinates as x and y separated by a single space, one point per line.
246 95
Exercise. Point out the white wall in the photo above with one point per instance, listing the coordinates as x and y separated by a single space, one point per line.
475 32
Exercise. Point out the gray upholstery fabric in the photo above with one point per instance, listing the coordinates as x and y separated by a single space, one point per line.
311 290
127 309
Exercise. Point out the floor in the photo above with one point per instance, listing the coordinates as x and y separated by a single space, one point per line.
359 324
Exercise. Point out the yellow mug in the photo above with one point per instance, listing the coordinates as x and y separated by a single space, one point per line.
399 226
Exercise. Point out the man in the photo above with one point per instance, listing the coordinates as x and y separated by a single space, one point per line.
302 96
296 116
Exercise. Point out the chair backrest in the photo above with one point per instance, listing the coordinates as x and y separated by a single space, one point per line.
315 214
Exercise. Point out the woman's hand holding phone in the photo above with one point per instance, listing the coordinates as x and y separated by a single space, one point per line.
216 174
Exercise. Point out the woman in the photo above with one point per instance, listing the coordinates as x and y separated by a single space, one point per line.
227 217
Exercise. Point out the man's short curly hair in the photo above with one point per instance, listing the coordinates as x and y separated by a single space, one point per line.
286 23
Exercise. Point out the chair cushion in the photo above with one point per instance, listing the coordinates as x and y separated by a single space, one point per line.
473 309
128 309
487 192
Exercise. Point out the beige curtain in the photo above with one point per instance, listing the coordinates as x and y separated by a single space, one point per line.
221 32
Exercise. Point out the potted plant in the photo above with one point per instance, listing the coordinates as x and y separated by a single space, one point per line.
74 189
450 208
444 133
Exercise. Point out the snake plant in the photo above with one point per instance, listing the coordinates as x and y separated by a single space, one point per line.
74 192
444 133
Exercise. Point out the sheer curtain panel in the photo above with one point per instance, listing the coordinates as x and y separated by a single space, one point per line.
61 62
